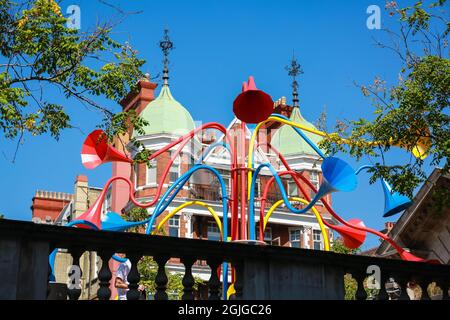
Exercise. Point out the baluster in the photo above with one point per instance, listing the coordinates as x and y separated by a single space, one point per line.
361 294
133 277
382 295
402 281
161 278
444 285
188 279
104 275
238 281
423 283
49 270
75 273
214 281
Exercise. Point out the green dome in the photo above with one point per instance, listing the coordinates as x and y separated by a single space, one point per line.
287 141
166 115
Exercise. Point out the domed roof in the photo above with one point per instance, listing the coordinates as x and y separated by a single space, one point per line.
287 141
166 115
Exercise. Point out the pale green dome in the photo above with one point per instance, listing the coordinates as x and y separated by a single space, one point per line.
287 141
166 115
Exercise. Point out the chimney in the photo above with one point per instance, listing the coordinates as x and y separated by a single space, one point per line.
137 100
80 195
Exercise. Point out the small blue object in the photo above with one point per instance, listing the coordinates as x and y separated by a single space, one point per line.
338 176
114 222
394 202
51 261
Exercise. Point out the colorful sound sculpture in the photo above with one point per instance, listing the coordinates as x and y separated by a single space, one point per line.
251 106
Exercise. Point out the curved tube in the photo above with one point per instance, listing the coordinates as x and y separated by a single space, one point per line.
403 253
285 120
283 195
212 146
187 204
326 241
364 167
184 178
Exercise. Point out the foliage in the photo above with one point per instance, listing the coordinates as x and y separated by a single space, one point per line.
43 62
2 216
148 269
339 247
413 111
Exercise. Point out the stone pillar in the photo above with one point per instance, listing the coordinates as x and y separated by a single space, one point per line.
80 195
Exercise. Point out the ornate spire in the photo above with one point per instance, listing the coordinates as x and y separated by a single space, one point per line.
294 69
166 46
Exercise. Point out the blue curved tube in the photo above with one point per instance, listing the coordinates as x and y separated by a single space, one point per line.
364 167
283 195
180 182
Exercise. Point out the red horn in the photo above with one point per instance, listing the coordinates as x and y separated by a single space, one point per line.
94 214
353 238
252 105
96 151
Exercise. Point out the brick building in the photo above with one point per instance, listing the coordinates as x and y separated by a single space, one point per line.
168 120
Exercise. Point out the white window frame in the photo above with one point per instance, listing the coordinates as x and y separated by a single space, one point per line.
213 225
177 163
154 166
177 225
299 229
320 241
291 184
315 182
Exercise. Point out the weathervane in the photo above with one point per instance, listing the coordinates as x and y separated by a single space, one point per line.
294 69
166 46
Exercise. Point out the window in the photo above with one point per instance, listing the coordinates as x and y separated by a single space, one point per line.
174 171
317 238
174 226
314 178
294 237
151 172
292 189
213 231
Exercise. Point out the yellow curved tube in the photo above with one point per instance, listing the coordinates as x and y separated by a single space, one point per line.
187 204
326 241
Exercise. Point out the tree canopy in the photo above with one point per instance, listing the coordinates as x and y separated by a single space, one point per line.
44 65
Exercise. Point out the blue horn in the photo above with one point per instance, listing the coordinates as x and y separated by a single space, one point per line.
114 222
394 202
337 176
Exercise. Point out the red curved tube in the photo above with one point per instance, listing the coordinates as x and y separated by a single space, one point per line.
184 139
403 253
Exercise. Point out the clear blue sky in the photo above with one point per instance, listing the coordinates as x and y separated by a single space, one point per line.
218 45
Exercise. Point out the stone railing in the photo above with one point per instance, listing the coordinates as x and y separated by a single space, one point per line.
262 272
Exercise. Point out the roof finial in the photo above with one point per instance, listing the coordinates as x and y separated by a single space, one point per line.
166 46
294 69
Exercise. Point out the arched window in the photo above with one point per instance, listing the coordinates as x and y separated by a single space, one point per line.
174 172
152 172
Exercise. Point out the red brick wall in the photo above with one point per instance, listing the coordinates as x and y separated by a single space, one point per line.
42 207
